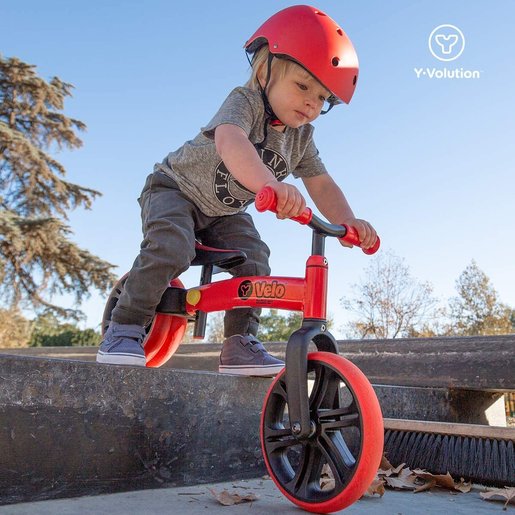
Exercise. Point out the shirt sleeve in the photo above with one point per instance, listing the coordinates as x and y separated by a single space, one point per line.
237 109
310 165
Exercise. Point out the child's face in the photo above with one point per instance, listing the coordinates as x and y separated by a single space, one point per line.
297 98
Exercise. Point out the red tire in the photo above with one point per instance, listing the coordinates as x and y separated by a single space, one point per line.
347 438
164 338
164 334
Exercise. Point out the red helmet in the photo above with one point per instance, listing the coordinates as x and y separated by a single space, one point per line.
313 39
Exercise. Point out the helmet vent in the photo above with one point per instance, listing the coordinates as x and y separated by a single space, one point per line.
320 13
340 31
335 61
354 80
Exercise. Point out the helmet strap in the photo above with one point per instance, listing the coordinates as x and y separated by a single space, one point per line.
271 117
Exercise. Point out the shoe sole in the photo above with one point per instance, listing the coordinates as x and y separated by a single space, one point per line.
242 370
108 358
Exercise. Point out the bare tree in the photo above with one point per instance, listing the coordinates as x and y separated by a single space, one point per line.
390 303
216 327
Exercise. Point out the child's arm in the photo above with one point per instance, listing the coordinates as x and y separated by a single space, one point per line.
242 160
330 200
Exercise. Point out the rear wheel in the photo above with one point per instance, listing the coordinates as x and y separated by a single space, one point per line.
334 466
164 333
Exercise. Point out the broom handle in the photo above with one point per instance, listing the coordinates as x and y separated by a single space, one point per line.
448 428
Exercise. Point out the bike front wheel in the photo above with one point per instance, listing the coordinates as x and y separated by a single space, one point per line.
334 466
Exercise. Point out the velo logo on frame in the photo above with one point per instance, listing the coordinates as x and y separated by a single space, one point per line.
261 289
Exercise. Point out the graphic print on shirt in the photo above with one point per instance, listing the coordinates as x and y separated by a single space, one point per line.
231 193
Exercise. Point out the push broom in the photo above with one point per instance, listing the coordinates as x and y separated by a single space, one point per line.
481 454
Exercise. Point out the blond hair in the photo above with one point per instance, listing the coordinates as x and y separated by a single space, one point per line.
259 63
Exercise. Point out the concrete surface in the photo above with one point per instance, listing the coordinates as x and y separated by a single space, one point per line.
480 363
436 403
71 428
196 500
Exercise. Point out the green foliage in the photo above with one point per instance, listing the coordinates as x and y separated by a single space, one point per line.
477 309
38 259
276 327
49 332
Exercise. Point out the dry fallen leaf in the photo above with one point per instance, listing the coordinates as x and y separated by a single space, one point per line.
418 480
327 481
377 487
404 482
443 480
385 464
463 486
391 470
426 486
507 494
228 499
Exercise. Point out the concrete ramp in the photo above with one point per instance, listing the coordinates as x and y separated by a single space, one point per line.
72 428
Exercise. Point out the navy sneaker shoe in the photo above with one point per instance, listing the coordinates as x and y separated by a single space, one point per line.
246 356
122 345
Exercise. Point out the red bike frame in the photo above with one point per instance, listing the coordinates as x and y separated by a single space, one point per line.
308 294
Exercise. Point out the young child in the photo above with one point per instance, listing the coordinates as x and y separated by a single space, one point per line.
301 61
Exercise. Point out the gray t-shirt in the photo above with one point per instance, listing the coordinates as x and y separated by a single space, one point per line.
203 177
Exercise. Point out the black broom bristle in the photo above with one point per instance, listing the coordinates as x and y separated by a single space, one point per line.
486 461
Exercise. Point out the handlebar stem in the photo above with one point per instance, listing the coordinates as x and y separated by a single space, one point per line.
317 244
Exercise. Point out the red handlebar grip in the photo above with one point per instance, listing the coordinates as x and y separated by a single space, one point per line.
374 248
352 237
266 200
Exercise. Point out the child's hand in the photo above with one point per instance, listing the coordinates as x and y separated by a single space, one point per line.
290 201
367 234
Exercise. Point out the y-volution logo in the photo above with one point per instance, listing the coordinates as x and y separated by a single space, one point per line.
446 43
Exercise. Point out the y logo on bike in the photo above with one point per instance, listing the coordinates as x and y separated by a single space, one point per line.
261 289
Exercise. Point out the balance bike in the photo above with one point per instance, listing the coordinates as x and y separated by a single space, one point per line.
321 426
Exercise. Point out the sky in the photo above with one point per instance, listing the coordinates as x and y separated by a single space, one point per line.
428 160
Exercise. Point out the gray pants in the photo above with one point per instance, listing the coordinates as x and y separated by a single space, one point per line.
171 222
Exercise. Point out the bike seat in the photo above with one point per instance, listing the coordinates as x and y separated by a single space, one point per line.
222 258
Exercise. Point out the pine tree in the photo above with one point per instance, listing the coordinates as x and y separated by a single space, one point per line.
38 259
477 309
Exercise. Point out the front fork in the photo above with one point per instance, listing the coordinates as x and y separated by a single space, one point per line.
312 330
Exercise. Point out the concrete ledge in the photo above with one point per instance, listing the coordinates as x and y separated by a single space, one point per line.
69 428
75 427
482 363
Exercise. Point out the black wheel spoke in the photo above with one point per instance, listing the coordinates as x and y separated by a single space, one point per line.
338 455
280 389
319 389
352 419
279 439
308 472
338 412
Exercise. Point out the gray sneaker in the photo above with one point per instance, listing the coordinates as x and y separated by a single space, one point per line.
122 345
246 356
